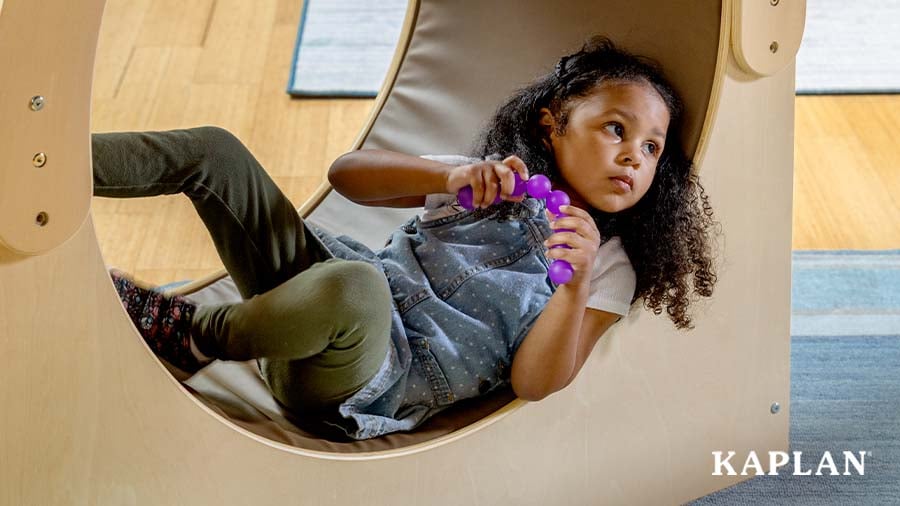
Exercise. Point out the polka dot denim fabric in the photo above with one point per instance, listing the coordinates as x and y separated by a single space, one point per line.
466 291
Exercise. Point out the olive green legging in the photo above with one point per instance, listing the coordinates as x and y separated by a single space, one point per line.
320 326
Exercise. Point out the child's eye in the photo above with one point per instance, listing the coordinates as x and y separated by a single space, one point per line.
615 129
651 148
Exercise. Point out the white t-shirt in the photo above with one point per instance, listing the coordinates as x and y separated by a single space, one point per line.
613 280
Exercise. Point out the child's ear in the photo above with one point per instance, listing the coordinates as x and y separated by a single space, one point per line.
546 120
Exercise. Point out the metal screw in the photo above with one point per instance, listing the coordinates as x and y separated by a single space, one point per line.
775 408
773 2
773 46
39 160
37 103
42 219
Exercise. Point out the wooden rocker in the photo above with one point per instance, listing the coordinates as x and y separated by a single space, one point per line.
92 417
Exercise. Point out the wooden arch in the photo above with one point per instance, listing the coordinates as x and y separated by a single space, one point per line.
92 418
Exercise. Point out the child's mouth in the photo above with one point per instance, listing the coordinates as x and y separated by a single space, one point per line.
620 184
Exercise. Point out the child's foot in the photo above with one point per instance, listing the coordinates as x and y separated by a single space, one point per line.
164 322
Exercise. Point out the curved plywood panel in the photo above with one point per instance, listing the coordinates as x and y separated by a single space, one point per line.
97 420
45 187
767 35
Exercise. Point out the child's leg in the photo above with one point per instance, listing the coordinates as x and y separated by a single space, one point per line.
321 330
323 334
320 336
256 230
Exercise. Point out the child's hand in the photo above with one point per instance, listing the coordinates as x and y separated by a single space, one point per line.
584 241
488 179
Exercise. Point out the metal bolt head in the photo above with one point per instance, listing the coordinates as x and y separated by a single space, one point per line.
42 219
773 46
775 408
37 103
39 160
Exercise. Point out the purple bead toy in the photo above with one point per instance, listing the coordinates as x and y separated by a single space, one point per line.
560 272
537 186
465 196
555 200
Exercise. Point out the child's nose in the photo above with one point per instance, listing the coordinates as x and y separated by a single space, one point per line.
628 155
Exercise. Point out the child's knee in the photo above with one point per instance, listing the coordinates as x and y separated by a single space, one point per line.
217 137
358 288
223 146
227 159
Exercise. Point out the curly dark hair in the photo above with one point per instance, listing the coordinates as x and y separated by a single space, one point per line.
666 234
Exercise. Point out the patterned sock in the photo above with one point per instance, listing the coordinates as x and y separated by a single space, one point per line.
164 323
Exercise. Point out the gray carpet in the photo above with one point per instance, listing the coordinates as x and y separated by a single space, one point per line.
850 47
344 47
845 382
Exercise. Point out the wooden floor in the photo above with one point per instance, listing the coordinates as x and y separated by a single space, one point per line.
847 172
165 64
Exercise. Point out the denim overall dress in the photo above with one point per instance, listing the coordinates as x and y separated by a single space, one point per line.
466 292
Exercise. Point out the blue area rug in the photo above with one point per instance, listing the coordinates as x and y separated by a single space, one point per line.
845 382
344 47
850 47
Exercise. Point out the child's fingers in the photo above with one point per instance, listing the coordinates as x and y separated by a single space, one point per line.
581 222
577 245
492 181
567 222
478 191
480 182
575 211
507 180
571 239
490 186
577 258
579 225
518 165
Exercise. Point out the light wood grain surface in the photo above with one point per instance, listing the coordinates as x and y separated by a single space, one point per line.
847 172
227 63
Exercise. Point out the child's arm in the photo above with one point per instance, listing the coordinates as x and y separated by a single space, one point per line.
558 345
563 336
594 325
385 178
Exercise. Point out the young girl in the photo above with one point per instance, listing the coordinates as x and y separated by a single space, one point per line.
458 303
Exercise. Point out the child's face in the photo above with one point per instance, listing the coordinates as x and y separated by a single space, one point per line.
617 131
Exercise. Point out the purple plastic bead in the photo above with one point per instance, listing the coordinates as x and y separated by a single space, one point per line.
555 200
538 186
464 197
521 185
560 272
